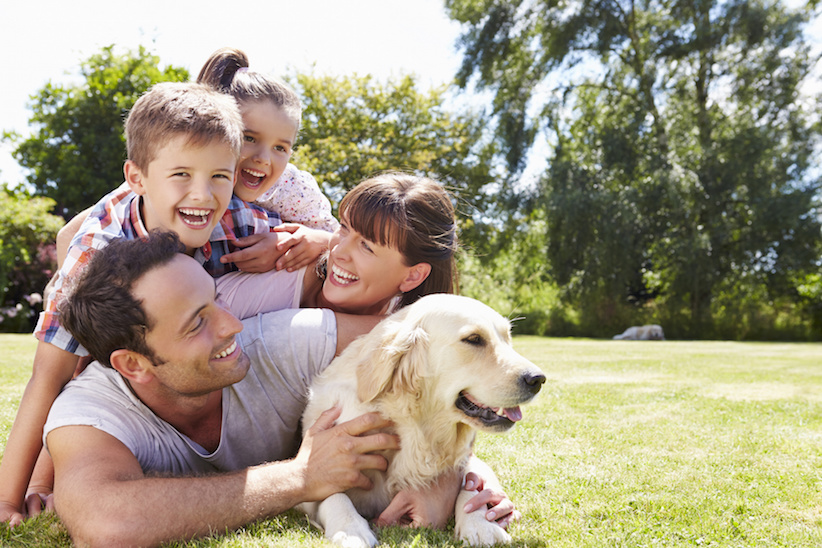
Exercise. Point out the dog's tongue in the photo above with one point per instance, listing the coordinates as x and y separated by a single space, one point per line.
513 413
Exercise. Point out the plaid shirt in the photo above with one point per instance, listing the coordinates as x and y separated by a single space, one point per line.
117 215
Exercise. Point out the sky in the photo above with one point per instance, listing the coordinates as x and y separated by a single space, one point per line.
46 40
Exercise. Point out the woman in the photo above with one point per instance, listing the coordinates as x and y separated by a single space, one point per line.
396 242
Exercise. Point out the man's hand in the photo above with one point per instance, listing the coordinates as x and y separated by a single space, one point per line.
500 507
332 458
258 253
299 245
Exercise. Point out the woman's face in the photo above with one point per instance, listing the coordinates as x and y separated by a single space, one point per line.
363 276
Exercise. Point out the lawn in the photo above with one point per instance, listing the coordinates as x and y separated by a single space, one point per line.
630 444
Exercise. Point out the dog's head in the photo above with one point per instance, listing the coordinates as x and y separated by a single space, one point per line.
455 354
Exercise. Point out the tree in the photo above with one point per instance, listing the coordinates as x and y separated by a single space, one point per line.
354 127
76 152
682 148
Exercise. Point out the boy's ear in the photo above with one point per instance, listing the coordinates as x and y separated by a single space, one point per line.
416 275
134 177
132 365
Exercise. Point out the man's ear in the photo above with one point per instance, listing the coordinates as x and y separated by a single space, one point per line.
416 275
134 177
132 365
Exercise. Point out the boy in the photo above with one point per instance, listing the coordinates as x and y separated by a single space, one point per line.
183 142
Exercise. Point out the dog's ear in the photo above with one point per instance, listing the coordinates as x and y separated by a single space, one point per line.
395 364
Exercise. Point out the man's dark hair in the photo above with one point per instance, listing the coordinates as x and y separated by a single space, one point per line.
99 309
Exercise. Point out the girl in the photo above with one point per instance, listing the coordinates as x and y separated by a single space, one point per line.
271 113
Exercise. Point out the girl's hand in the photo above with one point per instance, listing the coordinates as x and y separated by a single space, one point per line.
257 253
299 245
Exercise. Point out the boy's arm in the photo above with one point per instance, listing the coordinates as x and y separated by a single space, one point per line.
103 497
66 234
53 367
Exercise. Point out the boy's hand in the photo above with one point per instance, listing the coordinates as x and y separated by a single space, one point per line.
258 253
300 246
10 514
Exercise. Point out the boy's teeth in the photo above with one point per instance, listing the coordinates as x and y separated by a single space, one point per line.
195 217
227 351
254 172
198 212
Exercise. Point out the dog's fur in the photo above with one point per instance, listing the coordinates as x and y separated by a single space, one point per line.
415 368
642 333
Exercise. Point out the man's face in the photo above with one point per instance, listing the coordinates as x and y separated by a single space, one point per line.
192 334
186 189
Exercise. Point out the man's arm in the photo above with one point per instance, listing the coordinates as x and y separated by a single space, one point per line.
103 497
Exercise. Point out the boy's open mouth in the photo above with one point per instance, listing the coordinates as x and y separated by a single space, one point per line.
195 217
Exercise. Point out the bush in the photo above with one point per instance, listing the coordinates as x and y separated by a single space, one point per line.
27 257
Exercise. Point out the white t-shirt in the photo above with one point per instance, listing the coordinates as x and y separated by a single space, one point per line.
261 413
250 293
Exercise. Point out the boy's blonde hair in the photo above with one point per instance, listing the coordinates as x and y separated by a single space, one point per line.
227 71
171 109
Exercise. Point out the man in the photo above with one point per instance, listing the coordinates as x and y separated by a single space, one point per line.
162 439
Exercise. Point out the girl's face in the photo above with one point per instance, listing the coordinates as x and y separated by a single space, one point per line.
363 276
267 146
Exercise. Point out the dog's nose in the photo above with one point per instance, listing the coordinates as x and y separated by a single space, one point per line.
532 382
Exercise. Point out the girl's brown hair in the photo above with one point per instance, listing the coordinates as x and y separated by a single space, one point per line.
227 71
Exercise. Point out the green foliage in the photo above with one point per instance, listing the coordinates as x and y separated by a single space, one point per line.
681 171
355 127
76 152
27 260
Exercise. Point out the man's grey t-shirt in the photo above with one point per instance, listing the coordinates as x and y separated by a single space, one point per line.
261 413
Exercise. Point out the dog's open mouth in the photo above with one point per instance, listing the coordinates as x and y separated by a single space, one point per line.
492 417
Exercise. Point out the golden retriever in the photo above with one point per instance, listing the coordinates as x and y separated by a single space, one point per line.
440 369
642 333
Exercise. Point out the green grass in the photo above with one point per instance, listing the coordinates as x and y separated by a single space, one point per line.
630 444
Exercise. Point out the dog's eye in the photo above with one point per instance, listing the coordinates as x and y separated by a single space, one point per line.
474 339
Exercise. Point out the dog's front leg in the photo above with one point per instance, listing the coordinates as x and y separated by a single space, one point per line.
342 524
472 527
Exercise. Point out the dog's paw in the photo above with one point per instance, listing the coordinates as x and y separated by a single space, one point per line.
486 535
475 530
354 536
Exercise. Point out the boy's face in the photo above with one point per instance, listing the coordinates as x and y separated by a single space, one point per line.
267 146
186 188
